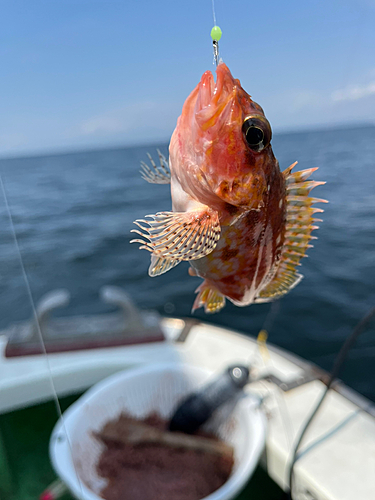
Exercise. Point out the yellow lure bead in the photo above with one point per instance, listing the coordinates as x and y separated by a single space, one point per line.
216 33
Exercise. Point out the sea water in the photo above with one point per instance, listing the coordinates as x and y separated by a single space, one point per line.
73 214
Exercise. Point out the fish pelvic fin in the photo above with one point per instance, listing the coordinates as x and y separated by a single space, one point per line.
299 225
209 298
156 174
179 235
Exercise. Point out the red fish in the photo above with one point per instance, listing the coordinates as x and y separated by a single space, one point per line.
242 224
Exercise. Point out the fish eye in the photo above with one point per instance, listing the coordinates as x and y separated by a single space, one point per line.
257 132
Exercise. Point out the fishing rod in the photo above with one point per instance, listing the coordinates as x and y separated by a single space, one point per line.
197 408
339 360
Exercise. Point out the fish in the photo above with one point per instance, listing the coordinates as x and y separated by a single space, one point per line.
241 223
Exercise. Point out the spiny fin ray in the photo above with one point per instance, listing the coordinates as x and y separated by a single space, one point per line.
158 174
209 298
299 225
160 265
180 235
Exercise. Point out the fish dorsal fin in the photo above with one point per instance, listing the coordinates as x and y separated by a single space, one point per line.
299 225
156 175
180 235
209 298
160 265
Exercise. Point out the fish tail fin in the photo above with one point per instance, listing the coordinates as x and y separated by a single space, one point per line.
209 298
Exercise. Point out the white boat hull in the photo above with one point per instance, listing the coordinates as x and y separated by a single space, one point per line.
339 467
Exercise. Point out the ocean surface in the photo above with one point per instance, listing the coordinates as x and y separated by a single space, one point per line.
73 214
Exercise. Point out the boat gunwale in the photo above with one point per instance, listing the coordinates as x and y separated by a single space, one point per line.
312 370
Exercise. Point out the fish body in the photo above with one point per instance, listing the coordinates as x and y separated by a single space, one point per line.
241 223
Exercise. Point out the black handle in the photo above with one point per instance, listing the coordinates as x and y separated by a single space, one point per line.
197 408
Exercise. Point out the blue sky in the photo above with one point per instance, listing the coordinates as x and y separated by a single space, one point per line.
78 74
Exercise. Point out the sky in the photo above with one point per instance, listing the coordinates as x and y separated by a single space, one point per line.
84 74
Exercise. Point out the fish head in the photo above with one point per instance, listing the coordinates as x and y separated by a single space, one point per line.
222 140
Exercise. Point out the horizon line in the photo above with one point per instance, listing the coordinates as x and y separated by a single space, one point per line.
89 149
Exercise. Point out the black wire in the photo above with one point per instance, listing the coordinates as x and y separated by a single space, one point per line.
340 358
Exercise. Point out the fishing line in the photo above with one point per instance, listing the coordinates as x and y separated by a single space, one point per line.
275 306
271 315
213 12
37 324
215 35
281 405
339 360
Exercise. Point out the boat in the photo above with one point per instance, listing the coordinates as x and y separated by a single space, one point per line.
336 460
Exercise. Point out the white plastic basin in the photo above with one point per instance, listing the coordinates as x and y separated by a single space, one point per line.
74 451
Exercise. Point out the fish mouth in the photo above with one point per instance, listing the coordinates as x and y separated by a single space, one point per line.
213 97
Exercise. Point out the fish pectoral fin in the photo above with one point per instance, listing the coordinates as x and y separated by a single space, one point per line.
298 228
156 174
160 265
209 298
180 235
